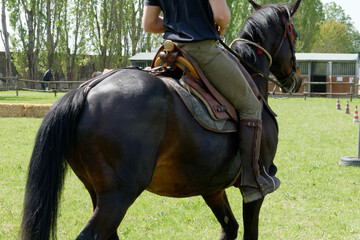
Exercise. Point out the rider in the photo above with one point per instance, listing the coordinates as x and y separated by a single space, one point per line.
196 27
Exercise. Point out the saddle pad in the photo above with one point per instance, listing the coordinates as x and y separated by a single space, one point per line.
199 111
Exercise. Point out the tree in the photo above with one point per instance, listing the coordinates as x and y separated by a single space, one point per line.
240 10
72 38
335 15
135 11
332 11
333 37
27 43
5 39
53 30
67 34
306 21
105 22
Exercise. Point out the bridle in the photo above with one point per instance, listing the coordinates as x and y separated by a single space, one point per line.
283 83
289 31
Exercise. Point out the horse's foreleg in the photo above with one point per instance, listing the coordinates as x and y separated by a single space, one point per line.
251 213
220 206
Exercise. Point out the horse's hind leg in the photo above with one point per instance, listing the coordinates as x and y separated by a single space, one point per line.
92 193
110 210
112 191
251 213
91 190
220 206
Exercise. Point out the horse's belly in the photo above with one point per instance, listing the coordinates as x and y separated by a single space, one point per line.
178 179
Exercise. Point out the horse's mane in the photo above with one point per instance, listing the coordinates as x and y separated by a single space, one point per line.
256 26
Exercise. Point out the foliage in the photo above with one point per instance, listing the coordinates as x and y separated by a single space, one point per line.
333 37
320 28
67 35
30 32
240 10
337 33
72 39
307 22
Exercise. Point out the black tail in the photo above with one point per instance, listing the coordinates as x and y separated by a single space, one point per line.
53 145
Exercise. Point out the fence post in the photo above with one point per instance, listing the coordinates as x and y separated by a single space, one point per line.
17 85
55 90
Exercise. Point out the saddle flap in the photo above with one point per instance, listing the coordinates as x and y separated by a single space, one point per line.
193 85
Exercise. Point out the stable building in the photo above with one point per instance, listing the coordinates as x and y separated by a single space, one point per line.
143 59
329 74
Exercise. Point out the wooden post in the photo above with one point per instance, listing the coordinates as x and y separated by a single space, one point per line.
330 78
55 90
16 85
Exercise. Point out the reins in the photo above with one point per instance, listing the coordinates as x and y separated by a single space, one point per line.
288 33
255 45
249 65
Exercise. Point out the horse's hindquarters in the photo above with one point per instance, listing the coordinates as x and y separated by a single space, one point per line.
136 133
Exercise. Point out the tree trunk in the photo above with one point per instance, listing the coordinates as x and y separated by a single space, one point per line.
6 40
50 37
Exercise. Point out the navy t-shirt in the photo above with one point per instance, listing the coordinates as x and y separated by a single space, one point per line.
187 20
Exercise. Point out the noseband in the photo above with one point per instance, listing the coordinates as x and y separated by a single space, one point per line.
283 83
289 34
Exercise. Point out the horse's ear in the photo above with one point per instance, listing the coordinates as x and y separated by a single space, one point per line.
294 7
255 5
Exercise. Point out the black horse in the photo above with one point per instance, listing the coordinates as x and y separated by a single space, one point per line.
131 132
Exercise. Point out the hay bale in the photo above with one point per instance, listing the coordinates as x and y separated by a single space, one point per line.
23 110
11 110
36 110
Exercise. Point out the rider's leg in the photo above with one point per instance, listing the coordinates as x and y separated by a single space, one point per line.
228 79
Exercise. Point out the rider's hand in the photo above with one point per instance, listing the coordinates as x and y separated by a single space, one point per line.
221 30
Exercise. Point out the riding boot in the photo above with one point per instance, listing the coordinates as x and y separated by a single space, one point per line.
253 185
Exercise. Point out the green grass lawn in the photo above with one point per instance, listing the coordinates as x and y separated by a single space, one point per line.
318 198
29 97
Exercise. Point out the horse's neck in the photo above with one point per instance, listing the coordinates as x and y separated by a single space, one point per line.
261 63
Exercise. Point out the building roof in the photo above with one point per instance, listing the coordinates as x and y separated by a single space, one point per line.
149 56
327 57
144 56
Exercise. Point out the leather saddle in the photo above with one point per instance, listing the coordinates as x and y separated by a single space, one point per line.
179 63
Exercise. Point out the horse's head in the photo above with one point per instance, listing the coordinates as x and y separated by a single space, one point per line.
278 36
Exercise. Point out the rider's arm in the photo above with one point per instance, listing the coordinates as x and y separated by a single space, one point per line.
152 21
221 13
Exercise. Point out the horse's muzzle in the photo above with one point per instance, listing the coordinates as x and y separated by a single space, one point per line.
293 82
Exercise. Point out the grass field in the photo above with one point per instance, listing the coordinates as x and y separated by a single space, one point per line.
318 198
29 97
